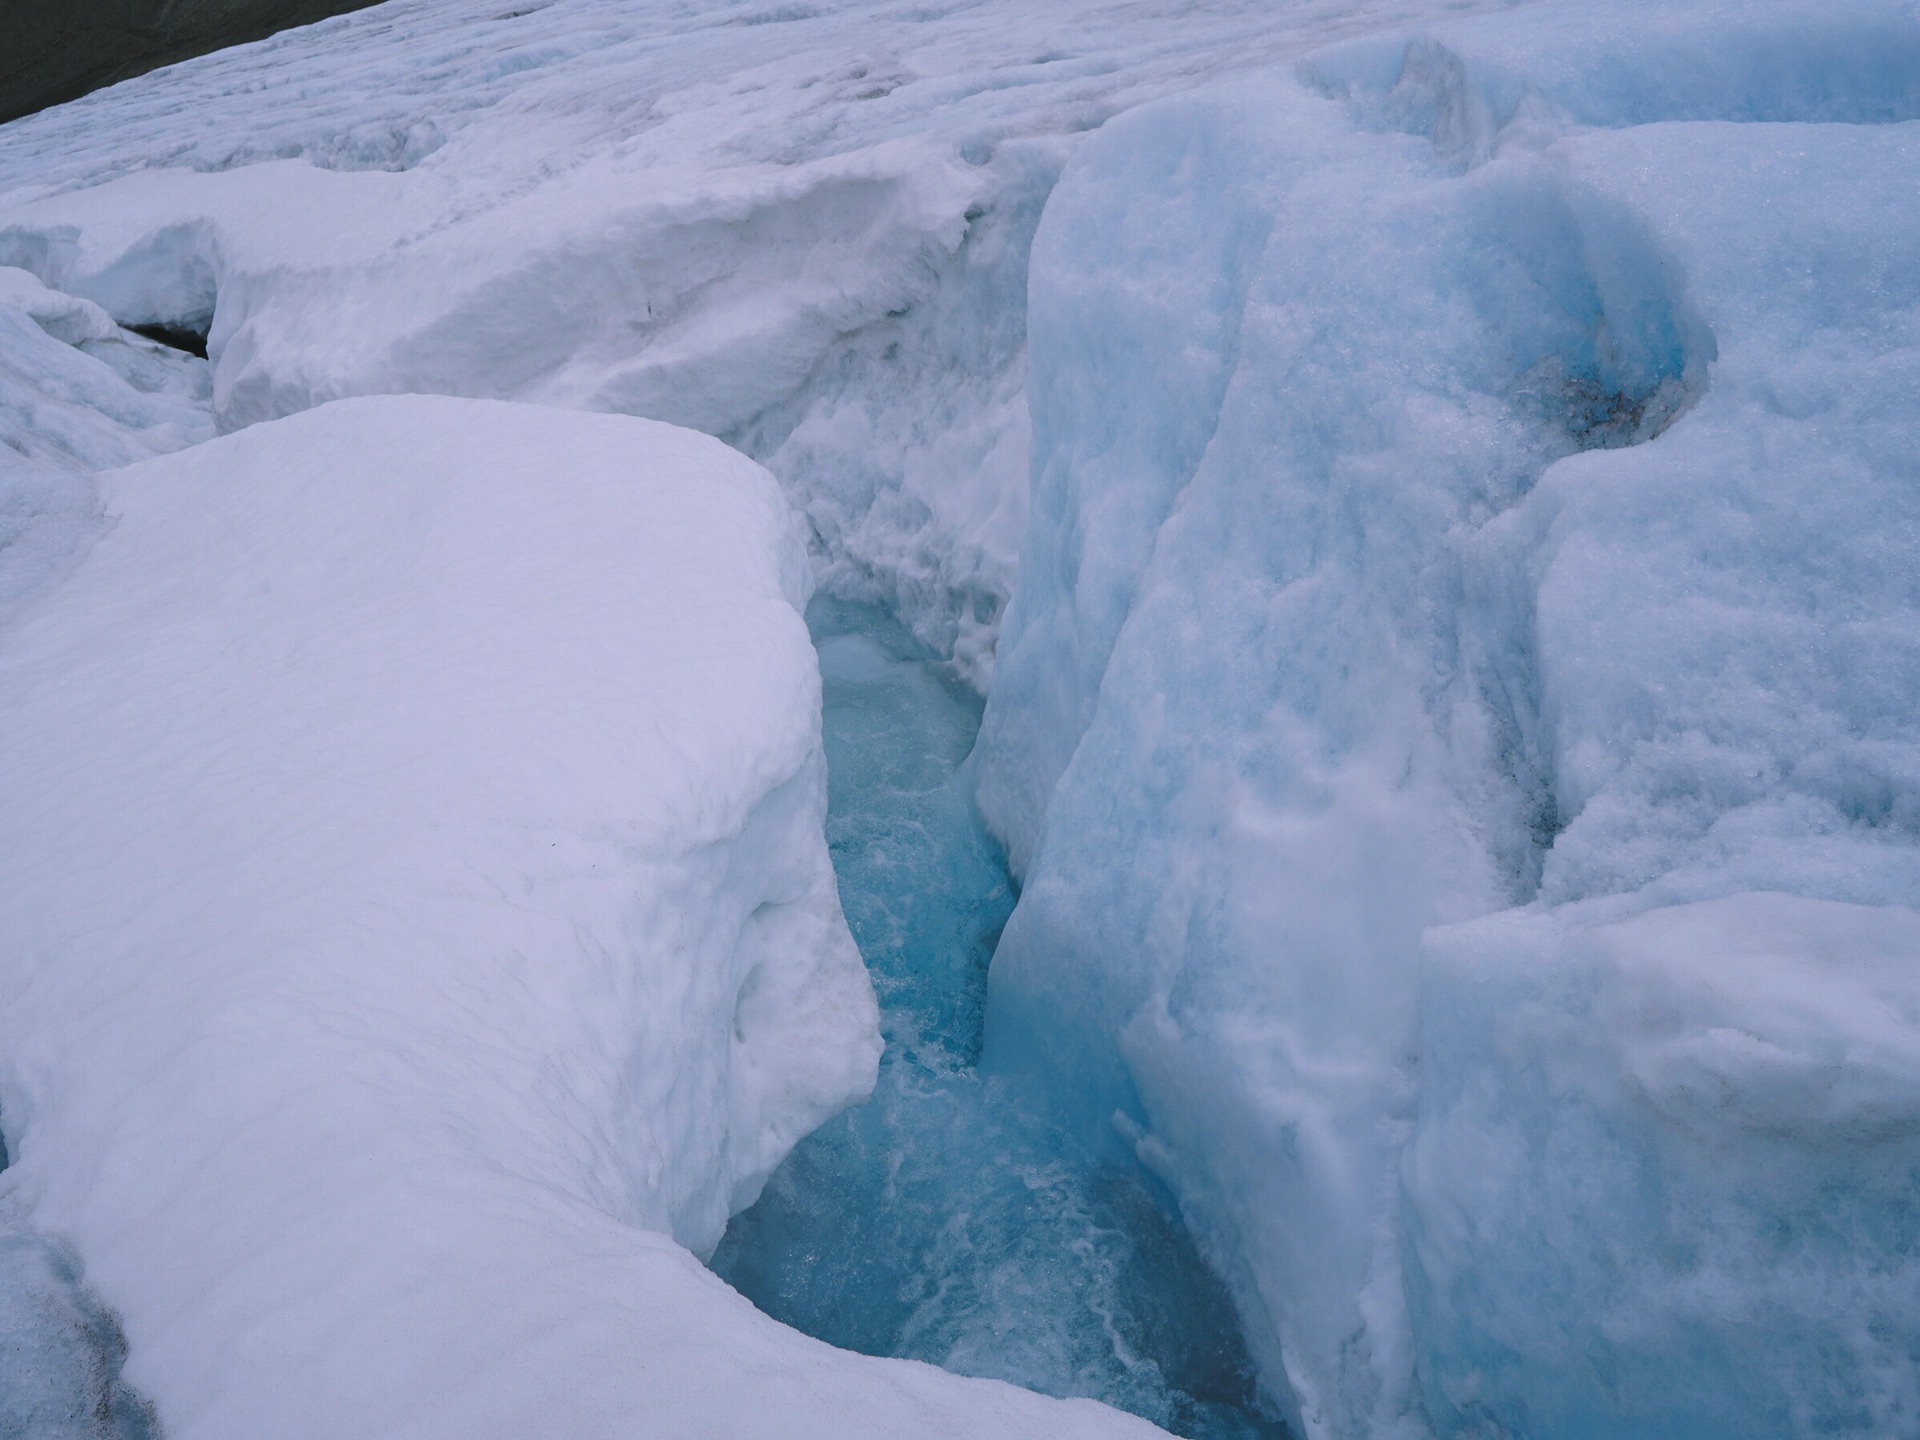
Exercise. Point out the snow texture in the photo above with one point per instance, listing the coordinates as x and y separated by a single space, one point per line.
802 228
1476 476
420 933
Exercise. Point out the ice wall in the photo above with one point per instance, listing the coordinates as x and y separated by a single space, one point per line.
1471 487
420 935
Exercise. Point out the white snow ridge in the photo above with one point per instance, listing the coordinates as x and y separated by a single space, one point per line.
1431 502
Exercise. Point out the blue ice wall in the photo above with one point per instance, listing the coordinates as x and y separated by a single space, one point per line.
1469 588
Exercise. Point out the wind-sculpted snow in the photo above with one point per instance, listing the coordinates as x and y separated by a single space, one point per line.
418 920
801 228
1444 508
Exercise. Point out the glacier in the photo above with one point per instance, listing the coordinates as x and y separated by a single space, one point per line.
802 228
1429 499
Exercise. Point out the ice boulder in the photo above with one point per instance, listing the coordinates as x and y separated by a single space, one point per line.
420 934
1456 495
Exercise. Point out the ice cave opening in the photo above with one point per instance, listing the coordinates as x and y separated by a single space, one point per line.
948 1220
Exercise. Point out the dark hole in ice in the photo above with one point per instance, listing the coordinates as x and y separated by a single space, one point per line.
944 1221
185 336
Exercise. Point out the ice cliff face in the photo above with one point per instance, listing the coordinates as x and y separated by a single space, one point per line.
1478 475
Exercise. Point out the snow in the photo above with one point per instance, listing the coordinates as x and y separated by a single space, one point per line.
1476 478
801 228
421 934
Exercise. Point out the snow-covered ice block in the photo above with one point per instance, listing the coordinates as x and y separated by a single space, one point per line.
1663 1178
420 933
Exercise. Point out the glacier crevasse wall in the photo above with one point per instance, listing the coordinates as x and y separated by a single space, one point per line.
1473 478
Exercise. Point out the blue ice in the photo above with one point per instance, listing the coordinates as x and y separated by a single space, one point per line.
947 1221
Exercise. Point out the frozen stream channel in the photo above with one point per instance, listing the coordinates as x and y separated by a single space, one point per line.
943 1221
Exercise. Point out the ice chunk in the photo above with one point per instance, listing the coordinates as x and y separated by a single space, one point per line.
77 393
1662 1182
418 920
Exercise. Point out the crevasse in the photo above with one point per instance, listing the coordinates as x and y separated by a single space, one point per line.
949 1219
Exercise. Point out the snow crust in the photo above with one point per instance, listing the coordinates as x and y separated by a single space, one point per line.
1474 476
421 935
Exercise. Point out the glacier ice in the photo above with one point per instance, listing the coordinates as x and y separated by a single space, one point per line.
61 1351
77 393
1474 476
418 920
1662 1178
1453 721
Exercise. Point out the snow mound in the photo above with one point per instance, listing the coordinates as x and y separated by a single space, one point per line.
420 929
1456 494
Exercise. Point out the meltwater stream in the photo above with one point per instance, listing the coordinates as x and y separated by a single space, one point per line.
943 1221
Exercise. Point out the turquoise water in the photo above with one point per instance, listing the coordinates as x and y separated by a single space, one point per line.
943 1221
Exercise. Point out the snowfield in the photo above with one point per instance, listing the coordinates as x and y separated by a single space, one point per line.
1432 501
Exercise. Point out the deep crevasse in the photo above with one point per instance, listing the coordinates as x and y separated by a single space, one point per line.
948 1219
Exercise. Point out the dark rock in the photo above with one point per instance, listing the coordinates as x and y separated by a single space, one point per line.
55 50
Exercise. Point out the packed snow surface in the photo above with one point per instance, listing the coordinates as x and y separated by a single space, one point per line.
1476 476
420 933
802 228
